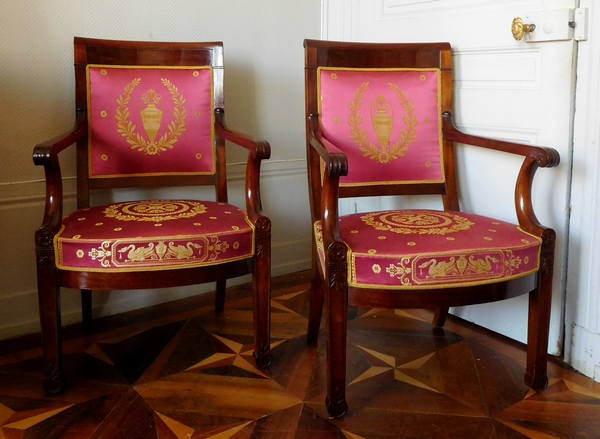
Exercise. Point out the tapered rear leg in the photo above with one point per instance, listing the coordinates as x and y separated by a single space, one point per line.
538 330
439 317
316 304
220 295
86 311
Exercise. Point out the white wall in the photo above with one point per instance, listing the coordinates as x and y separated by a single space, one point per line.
581 323
263 94
582 313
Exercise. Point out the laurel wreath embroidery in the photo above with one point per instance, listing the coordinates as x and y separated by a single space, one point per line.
127 129
359 135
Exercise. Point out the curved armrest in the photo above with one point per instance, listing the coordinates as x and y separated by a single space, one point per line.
46 154
545 157
257 151
336 162
535 157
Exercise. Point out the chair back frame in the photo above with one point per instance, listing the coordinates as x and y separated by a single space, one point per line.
90 51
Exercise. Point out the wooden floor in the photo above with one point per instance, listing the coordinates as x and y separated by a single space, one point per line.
180 371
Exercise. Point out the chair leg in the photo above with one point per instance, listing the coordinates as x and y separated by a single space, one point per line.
86 311
337 327
261 296
220 295
316 304
439 317
50 323
538 329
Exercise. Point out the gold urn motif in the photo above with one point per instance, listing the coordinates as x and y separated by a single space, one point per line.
382 118
152 114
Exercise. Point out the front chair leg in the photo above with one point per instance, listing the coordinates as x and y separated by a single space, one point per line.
261 296
50 322
49 304
337 328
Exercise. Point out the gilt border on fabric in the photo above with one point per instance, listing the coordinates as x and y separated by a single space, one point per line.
441 270
156 122
438 269
390 148
150 235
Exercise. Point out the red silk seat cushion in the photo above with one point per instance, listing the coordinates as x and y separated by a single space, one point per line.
428 249
156 234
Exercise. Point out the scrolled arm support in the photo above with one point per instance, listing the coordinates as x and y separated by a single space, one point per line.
258 150
534 157
46 154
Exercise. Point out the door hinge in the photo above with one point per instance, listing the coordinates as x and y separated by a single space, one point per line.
557 25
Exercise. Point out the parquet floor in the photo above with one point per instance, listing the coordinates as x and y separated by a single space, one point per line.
180 371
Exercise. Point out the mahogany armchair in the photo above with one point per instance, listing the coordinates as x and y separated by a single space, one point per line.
149 115
379 122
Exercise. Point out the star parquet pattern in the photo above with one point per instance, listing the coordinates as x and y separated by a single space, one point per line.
190 375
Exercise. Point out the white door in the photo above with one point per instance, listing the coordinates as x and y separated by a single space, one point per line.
514 90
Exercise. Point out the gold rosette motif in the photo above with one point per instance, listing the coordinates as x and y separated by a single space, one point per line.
417 223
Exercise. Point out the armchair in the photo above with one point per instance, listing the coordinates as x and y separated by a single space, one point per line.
379 123
148 115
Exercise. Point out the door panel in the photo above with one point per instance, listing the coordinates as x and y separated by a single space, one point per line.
506 89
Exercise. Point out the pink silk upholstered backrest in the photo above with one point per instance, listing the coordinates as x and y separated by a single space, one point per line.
150 121
386 121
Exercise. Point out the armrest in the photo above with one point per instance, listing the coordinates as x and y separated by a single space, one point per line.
336 162
257 151
534 157
46 154
545 157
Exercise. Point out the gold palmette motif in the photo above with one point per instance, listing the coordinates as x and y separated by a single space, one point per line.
402 271
382 119
102 253
151 119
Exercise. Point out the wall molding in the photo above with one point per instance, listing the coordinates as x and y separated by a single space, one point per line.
20 192
23 204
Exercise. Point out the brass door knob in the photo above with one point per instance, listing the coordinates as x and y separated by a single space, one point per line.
519 28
